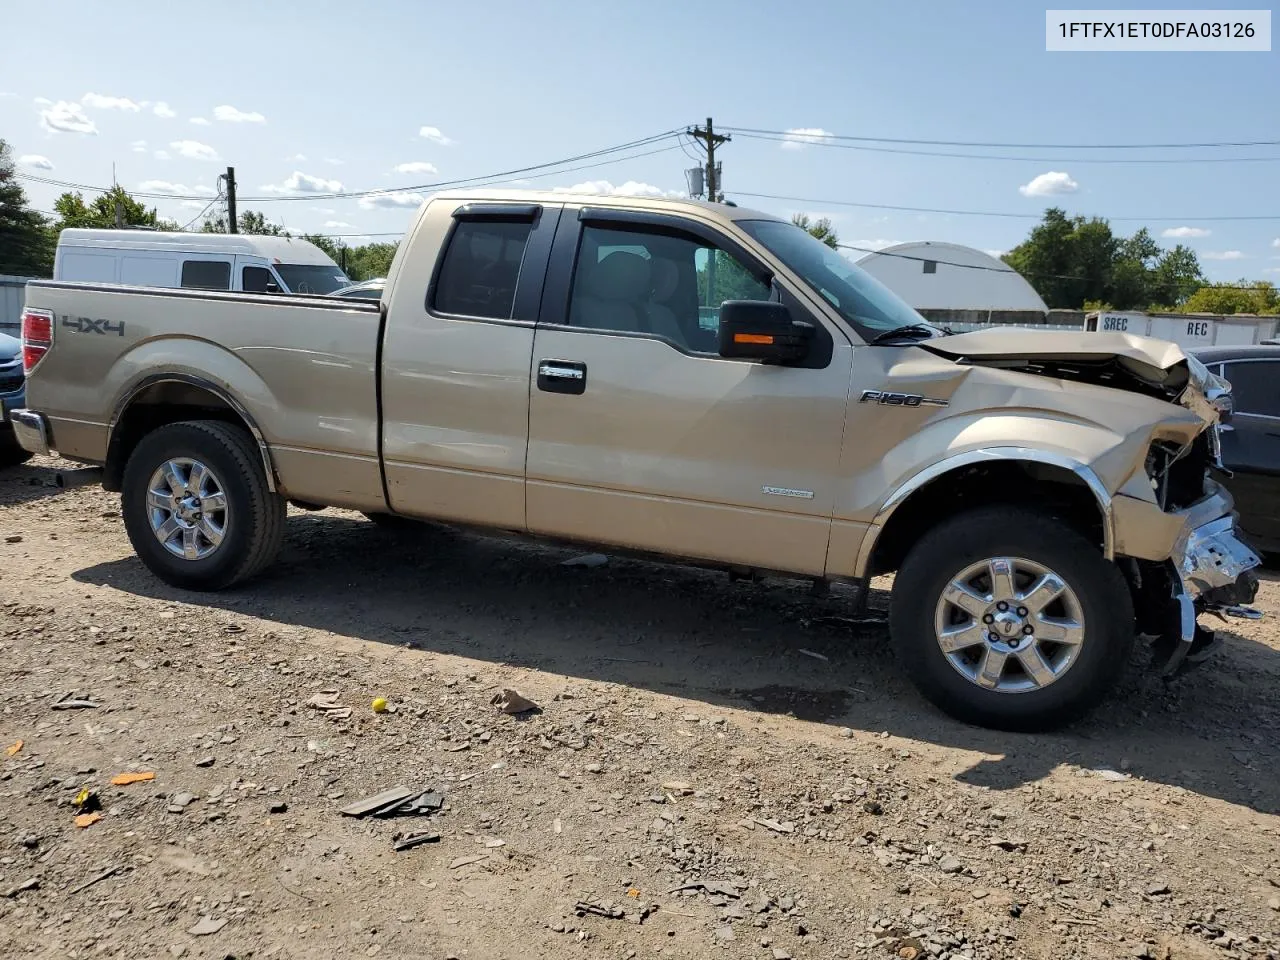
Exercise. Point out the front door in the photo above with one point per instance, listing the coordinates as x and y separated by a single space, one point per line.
640 435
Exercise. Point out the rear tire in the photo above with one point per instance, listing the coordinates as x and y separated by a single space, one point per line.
11 452
980 678
197 507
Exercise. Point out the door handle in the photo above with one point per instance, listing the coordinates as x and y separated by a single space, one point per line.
562 376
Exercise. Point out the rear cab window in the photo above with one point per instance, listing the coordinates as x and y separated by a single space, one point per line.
480 268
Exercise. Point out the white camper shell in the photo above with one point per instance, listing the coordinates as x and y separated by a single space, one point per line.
206 261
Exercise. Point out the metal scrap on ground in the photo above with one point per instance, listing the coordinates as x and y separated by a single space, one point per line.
398 801
326 701
511 702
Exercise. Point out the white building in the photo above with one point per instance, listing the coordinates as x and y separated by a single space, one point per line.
948 277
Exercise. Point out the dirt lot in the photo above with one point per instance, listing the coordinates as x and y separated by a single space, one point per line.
692 730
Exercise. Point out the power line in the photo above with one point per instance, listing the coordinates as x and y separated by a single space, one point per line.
989 213
810 137
818 141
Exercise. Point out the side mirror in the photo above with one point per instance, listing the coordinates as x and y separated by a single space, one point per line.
762 330
273 287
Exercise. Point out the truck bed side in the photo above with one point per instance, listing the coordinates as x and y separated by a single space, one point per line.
301 370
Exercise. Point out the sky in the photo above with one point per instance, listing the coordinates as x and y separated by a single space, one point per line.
324 97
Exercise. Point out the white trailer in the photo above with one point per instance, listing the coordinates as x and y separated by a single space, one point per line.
1186 329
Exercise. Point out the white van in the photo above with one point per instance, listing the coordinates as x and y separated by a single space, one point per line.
208 261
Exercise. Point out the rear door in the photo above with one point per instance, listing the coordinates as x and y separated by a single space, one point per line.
641 435
455 361
1251 446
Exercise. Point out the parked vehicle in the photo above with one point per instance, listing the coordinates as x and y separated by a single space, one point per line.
1251 442
201 261
12 397
368 290
537 365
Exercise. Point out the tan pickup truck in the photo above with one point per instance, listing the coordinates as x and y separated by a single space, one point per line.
696 381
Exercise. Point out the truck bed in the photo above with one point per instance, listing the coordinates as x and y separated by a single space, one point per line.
304 369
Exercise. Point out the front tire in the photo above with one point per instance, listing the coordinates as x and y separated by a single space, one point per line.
1007 618
197 507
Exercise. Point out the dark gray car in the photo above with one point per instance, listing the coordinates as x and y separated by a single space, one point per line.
1251 444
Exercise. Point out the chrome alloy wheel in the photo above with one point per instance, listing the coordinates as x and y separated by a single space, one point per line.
187 508
1009 625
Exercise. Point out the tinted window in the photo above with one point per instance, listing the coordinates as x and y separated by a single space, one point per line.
206 274
660 284
255 279
1253 386
312 278
480 269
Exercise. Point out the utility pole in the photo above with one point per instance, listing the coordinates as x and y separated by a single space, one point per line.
710 140
232 226
119 214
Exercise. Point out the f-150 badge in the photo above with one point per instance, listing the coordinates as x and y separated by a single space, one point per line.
900 399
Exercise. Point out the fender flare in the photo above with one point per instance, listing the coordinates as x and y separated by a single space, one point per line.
221 393
987 455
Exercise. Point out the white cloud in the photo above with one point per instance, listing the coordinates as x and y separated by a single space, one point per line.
1049 184
138 146
163 110
193 204
995 253
168 186
632 188
416 166
334 161
1271 269
392 199
796 138
99 102
1276 243
201 122
297 158
337 224
232 115
66 117
35 162
327 210
433 134
299 182
162 155
194 150
5 93
1224 255
1184 233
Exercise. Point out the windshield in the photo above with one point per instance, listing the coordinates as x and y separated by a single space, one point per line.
312 277
867 304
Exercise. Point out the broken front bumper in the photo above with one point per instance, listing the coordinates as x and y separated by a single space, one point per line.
1214 575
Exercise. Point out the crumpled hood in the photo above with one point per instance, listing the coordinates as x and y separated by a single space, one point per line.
1119 360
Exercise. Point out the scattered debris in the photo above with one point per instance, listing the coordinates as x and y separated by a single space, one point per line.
74 705
410 840
13 749
1114 776
205 762
180 801
87 819
326 701
1159 888
206 926
25 885
587 560
950 865
815 656
124 779
278 807
105 874
679 787
467 861
611 911
725 888
86 800
777 826
511 702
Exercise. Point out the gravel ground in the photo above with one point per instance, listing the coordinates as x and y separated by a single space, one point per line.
717 769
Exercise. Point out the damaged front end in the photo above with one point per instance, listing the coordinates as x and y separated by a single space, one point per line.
1209 569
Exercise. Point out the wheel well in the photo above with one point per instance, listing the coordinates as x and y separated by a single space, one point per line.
158 405
1054 490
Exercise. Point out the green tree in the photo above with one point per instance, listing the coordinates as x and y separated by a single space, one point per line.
359 263
26 246
251 222
1239 297
1074 261
820 228
100 214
